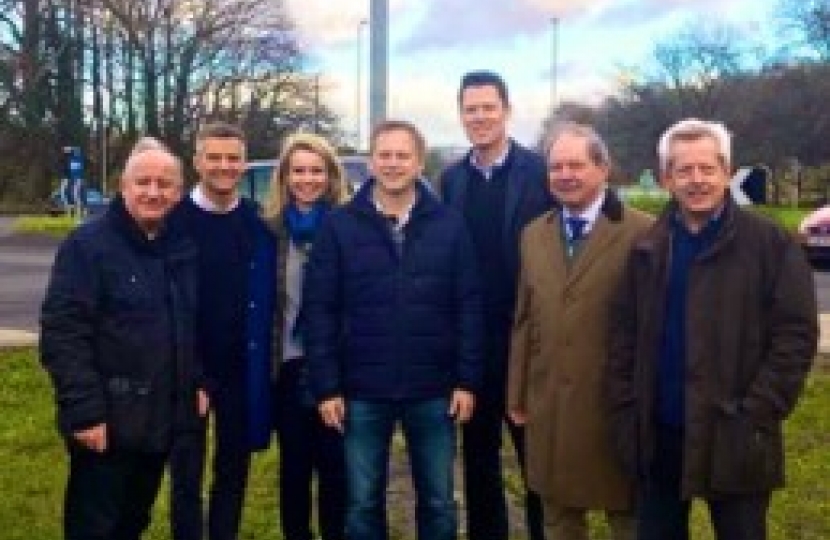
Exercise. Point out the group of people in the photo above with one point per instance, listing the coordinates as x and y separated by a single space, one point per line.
637 364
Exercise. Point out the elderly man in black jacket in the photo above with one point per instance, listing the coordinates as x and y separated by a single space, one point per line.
116 339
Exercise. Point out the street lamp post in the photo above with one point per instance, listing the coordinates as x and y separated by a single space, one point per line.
554 63
358 86
102 137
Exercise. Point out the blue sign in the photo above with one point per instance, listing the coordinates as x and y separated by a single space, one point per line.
72 184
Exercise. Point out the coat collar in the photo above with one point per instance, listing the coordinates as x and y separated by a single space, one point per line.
657 238
363 203
604 232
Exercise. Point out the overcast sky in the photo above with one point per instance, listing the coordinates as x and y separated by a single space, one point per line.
433 42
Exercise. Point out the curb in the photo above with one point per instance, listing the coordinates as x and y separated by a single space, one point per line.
10 338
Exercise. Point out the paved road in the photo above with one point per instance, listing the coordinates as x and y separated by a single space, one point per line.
24 271
6 226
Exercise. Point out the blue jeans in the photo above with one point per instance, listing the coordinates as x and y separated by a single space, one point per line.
430 441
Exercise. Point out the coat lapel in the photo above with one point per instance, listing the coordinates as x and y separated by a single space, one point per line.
602 235
514 194
554 246
607 228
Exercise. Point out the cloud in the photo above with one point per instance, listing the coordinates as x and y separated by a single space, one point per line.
457 23
327 23
647 12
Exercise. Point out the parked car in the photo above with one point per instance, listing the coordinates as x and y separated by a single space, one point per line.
814 235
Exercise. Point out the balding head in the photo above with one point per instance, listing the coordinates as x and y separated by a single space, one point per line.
151 184
151 145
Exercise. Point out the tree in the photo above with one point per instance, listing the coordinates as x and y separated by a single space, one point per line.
807 23
96 73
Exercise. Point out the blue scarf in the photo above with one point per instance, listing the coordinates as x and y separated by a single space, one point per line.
302 226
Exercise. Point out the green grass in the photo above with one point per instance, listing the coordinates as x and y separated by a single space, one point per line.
34 468
58 226
787 216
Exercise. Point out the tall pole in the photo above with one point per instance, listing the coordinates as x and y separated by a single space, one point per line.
359 86
379 60
554 63
102 134
317 103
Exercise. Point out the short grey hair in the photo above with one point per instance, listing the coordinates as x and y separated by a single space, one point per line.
151 144
692 129
597 149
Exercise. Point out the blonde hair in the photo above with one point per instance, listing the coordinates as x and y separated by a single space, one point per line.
280 196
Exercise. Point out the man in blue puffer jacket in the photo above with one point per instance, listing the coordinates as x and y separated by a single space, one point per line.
394 333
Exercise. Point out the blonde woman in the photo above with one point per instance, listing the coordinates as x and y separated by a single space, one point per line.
307 183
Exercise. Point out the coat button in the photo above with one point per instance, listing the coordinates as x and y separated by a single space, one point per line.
252 345
252 305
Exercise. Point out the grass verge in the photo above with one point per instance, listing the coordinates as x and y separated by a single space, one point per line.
57 226
34 469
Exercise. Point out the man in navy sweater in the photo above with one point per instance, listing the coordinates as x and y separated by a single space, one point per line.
394 333
237 294
499 187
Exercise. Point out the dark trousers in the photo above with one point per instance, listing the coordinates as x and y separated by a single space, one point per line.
663 515
110 496
483 479
231 461
307 446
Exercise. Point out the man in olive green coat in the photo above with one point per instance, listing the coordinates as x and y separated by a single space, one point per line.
571 261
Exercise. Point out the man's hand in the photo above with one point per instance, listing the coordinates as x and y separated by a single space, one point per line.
202 402
333 411
462 403
517 417
94 438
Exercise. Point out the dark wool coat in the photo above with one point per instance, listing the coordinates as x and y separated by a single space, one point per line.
117 332
751 335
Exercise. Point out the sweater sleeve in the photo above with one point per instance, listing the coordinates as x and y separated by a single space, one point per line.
470 309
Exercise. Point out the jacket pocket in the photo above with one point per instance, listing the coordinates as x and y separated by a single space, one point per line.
129 414
745 458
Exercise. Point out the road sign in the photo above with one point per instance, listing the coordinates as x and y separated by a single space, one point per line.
749 185
72 184
736 186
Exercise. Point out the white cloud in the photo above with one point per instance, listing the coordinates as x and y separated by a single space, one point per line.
433 42
327 23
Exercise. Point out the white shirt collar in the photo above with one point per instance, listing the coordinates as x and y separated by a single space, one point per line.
197 195
590 214
487 170
404 219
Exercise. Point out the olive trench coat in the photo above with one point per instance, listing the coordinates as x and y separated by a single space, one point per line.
559 348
